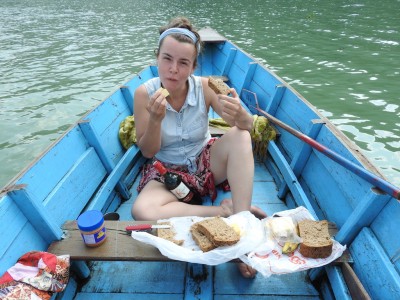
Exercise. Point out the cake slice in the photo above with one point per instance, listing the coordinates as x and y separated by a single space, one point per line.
218 86
317 242
168 233
218 232
200 239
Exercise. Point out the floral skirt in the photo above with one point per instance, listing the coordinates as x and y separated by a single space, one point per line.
202 181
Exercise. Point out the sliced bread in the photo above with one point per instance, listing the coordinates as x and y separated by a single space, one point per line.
168 233
200 239
218 232
218 86
317 242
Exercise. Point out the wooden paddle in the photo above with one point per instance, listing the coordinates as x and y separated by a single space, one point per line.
356 169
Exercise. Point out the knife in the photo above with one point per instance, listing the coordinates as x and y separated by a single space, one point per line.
139 227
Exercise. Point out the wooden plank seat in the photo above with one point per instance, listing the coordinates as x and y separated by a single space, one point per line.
120 246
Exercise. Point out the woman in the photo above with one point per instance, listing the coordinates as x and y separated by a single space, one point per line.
174 130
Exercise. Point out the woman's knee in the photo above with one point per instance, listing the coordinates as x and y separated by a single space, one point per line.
139 211
240 138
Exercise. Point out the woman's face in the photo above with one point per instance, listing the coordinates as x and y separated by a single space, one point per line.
175 63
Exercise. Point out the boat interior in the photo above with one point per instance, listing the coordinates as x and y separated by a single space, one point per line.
88 169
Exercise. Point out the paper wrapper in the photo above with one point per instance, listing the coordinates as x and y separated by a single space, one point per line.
267 257
251 230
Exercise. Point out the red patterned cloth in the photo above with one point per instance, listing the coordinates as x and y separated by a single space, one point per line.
202 181
36 275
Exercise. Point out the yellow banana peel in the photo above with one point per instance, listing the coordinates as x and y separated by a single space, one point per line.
289 247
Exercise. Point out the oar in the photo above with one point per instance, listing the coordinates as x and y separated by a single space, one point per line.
356 169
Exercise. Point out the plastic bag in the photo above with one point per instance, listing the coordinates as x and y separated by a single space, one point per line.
251 235
282 229
267 257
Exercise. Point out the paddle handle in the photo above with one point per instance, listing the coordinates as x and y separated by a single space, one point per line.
375 180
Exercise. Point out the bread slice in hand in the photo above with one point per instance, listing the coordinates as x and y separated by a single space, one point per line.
163 92
218 232
218 86
317 242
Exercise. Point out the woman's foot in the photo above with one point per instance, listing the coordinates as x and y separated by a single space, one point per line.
227 206
246 271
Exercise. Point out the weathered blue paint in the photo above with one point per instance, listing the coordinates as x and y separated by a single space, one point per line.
88 168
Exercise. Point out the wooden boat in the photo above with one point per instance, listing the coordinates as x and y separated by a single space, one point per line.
87 168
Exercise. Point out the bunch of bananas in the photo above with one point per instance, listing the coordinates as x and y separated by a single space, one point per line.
261 133
127 132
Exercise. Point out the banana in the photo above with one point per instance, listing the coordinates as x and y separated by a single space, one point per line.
289 247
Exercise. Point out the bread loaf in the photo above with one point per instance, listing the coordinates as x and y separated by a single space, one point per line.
218 86
317 242
218 232
168 233
200 239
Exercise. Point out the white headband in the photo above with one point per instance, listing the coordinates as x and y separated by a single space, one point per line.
183 31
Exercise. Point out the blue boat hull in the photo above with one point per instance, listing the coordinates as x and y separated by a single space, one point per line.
87 168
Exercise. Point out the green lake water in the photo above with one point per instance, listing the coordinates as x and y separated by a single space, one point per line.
58 59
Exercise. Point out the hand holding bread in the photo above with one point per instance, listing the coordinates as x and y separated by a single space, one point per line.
231 107
158 104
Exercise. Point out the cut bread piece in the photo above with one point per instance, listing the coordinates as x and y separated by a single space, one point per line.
317 242
218 232
168 233
218 86
200 239
163 91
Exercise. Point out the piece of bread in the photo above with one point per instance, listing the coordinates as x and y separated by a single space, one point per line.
168 233
317 242
218 86
218 232
163 91
200 239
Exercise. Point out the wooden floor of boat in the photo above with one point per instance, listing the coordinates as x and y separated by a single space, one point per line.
173 280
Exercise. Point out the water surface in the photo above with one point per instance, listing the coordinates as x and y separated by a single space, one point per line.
58 59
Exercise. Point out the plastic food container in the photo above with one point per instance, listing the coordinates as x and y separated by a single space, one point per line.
91 225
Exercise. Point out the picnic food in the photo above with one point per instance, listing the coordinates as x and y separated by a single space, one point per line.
218 86
317 242
168 234
163 91
218 231
289 247
201 240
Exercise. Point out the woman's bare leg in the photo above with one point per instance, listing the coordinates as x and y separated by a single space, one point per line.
155 202
232 159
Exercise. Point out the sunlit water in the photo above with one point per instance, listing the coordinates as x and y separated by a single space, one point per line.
58 59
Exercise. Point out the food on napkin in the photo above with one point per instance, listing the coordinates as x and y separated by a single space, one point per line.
317 242
168 233
212 233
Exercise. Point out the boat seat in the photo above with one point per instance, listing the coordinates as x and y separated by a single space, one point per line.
120 246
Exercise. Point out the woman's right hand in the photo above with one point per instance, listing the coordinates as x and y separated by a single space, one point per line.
157 106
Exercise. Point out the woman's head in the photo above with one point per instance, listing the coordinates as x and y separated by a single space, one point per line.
182 31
